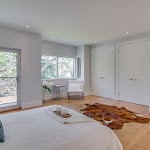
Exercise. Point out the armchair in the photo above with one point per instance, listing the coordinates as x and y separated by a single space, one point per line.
75 86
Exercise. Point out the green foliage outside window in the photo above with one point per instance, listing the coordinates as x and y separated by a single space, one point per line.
8 68
8 63
49 66
66 67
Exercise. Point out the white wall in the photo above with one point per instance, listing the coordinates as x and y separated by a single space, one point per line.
30 46
87 69
80 54
84 52
56 49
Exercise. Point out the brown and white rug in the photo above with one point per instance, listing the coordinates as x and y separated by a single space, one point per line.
113 116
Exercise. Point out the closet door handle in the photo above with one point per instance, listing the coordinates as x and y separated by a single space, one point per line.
131 78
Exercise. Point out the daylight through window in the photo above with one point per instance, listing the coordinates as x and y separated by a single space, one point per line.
49 67
57 67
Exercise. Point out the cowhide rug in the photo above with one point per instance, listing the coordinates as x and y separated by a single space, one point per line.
113 116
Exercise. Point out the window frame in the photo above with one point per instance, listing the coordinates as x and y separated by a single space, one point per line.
74 67
78 67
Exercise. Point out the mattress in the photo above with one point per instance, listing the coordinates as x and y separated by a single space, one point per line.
36 130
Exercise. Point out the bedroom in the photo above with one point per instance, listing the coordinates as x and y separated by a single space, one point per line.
108 46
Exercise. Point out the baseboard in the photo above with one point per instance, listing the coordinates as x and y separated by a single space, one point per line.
87 93
31 104
47 97
93 93
115 97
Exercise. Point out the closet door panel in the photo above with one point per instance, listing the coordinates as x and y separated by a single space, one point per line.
107 89
142 72
99 71
126 72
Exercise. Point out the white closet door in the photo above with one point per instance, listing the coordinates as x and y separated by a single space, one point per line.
98 71
93 73
107 73
142 72
126 72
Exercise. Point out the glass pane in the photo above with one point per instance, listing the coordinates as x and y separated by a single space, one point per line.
8 90
65 67
48 67
8 64
8 82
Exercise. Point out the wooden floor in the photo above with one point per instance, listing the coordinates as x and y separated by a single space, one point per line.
133 136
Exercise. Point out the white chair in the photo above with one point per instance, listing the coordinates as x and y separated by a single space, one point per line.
75 86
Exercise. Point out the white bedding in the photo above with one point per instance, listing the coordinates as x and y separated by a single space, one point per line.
75 116
35 130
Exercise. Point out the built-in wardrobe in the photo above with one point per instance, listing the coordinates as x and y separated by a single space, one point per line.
134 72
102 72
122 73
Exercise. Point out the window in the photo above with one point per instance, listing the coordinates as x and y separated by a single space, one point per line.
57 67
49 67
65 67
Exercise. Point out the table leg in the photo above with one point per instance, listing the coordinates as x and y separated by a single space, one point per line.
59 92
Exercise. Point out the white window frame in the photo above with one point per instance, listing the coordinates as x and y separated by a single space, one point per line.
74 68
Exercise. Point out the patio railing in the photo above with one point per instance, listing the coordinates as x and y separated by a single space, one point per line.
8 89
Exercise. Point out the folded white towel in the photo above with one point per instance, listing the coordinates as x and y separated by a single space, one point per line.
75 116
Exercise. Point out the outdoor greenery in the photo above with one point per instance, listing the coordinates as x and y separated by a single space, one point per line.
49 67
49 64
65 67
8 68
8 64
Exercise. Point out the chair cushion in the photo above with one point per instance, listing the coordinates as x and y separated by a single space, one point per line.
74 85
1 132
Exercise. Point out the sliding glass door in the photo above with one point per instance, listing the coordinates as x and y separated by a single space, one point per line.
9 77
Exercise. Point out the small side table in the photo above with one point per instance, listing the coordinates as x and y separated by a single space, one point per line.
57 91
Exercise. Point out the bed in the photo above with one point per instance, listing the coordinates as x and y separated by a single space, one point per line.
36 130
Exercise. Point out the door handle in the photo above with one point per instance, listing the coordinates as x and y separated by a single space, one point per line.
135 79
131 78
102 77
17 78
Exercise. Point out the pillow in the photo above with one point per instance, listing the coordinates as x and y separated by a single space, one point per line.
1 133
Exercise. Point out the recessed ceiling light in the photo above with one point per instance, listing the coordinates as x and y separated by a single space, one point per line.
27 26
95 41
51 38
127 32
72 43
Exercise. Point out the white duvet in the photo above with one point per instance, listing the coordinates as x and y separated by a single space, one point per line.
35 130
75 116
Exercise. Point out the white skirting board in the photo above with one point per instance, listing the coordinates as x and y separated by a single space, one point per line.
31 104
87 93
47 97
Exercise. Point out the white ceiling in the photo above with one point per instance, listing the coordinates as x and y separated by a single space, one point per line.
77 21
